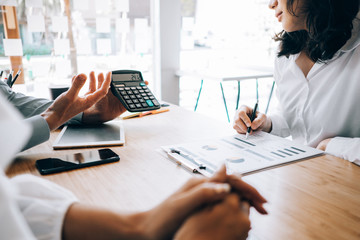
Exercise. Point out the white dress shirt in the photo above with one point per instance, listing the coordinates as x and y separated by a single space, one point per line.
30 207
324 104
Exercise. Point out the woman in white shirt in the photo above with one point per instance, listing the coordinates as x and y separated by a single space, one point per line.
317 75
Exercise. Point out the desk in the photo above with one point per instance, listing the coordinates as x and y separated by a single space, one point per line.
317 198
225 75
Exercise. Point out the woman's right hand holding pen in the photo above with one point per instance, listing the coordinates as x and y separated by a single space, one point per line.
242 121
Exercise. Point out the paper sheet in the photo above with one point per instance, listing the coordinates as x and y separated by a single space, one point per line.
13 47
122 5
60 24
34 3
81 5
102 5
103 25
36 23
9 3
261 150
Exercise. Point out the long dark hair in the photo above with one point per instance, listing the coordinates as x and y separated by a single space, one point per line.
329 26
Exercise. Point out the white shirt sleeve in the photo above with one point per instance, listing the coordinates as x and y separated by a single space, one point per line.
346 148
43 205
13 224
279 124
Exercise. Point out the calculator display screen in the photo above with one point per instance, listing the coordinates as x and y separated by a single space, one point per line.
126 77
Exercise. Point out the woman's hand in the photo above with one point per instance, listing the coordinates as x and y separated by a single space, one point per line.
323 144
242 121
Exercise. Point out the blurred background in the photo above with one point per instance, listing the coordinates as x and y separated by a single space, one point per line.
65 37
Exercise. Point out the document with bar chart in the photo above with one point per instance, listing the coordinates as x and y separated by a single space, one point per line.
259 151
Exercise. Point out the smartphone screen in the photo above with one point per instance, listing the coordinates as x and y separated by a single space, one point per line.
76 160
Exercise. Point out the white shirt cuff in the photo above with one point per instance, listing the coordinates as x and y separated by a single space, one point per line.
279 126
40 131
346 148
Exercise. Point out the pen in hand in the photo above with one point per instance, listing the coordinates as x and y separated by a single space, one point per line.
252 119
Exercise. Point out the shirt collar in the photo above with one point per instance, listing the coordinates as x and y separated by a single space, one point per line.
354 41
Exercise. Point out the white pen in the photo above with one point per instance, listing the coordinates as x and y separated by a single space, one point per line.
185 165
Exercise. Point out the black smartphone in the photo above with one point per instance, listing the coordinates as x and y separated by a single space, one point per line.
76 161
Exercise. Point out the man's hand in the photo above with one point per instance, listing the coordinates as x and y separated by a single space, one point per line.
107 108
226 220
69 104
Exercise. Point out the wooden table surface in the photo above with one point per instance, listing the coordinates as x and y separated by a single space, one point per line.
318 198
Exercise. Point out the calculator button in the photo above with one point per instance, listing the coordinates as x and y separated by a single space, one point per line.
149 103
129 92
133 88
126 97
132 96
129 101
147 90
136 92
143 94
146 98
151 97
142 84
141 91
138 105
141 100
131 106
123 92
121 89
136 101
145 87
138 88
144 104
127 88
138 96
156 103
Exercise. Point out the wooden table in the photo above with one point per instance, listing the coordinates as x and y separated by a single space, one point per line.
317 198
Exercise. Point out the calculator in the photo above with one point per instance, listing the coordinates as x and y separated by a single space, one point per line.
129 87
